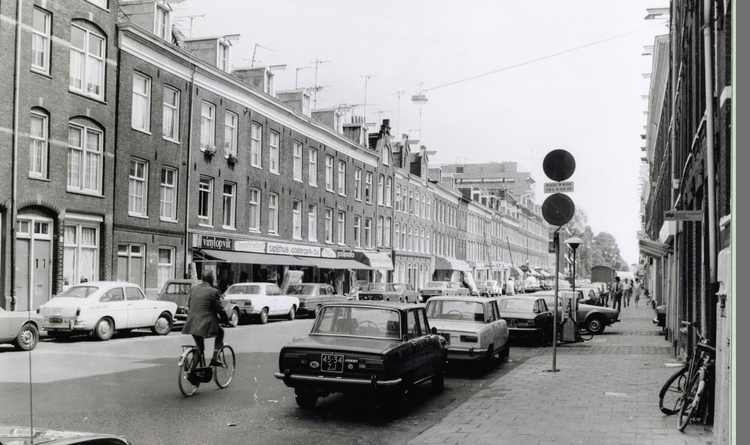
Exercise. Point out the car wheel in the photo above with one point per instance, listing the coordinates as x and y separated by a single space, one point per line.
27 338
305 399
163 325
234 319
437 384
505 354
263 317
292 313
401 299
317 310
595 324
485 363
104 329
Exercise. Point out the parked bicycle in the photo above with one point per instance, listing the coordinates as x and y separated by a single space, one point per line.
685 392
193 369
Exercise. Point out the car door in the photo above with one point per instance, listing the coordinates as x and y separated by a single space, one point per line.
140 310
113 304
434 352
500 326
418 339
281 302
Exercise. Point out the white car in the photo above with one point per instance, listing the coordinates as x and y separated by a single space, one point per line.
261 300
472 326
103 307
490 288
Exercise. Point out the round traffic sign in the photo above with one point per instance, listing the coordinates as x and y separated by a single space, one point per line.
558 209
559 165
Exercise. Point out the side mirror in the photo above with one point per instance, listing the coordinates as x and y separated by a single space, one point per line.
433 330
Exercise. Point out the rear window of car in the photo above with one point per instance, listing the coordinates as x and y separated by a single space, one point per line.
243 289
379 287
434 285
452 285
301 289
516 304
78 292
455 310
177 288
358 322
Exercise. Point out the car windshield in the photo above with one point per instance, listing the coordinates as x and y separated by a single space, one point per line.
358 322
516 304
455 310
177 288
398 287
379 287
78 292
241 289
433 284
301 289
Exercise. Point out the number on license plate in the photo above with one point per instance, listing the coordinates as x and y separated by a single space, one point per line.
55 320
512 323
332 363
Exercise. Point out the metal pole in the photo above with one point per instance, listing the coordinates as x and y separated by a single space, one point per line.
554 310
574 272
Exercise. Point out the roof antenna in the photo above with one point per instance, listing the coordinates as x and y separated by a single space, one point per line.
315 96
255 49
191 17
367 78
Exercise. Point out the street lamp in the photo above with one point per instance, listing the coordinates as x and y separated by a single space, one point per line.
574 243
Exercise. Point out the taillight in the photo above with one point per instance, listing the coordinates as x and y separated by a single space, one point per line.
469 339
38 310
371 363
78 312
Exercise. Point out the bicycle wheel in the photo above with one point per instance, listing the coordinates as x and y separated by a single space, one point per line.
585 335
691 401
223 374
187 364
671 394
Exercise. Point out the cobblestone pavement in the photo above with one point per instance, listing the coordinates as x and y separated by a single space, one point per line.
606 392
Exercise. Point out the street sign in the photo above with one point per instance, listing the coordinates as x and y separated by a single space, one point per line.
558 209
683 215
559 165
558 187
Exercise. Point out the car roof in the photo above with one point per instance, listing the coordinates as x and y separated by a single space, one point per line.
522 297
377 304
182 281
103 284
461 298
300 284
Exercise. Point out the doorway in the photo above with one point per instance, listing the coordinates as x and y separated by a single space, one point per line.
33 262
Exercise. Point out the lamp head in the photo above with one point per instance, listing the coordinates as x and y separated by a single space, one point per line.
574 242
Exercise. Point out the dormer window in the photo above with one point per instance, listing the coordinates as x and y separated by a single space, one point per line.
222 57
161 22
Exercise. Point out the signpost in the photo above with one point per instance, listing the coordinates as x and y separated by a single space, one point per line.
558 187
683 215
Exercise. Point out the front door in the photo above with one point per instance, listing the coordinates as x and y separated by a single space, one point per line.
40 283
140 310
33 262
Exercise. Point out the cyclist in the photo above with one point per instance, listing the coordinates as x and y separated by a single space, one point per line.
205 313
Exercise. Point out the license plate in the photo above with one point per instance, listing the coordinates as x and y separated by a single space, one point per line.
512 323
332 363
55 320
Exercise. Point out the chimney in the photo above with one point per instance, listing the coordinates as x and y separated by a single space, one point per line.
258 77
356 130
213 50
297 99
331 117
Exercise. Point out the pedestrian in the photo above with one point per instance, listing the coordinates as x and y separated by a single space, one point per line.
637 291
617 295
510 287
627 291
205 315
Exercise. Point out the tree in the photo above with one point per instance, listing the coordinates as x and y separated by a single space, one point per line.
606 252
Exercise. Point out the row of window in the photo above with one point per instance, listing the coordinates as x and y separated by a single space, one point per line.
138 176
411 273
413 202
131 264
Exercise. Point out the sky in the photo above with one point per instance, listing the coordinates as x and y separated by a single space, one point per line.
586 100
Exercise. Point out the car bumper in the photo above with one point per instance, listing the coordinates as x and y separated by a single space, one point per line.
462 354
525 332
334 384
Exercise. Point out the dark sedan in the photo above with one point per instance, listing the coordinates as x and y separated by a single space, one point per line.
593 318
527 317
176 291
312 296
364 347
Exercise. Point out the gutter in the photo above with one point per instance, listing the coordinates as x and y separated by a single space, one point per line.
710 155
188 169
14 163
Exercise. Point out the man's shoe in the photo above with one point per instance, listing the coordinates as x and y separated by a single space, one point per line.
216 362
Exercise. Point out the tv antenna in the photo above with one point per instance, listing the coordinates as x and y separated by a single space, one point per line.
398 112
191 17
296 74
380 114
367 79
317 63
255 50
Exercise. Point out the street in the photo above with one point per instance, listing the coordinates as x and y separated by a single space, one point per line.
128 386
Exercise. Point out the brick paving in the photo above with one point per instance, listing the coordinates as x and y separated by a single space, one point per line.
606 392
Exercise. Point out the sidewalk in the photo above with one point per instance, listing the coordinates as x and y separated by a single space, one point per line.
607 392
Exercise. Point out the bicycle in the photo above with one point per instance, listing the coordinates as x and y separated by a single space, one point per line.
682 392
193 369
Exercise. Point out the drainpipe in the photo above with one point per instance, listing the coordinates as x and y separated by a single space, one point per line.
14 164
674 302
710 167
189 169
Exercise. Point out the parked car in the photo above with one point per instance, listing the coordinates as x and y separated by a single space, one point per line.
20 328
21 435
593 318
261 300
472 327
176 291
440 288
490 288
102 307
531 284
527 316
661 316
590 295
312 296
403 293
364 347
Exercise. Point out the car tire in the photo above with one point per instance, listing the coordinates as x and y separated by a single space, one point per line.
505 354
234 319
437 384
104 329
305 399
163 325
292 313
595 324
317 310
263 317
27 338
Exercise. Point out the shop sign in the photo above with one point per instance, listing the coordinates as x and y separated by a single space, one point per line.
345 254
216 243
327 252
250 246
292 249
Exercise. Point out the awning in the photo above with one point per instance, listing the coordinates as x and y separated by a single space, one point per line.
543 273
654 249
332 263
376 260
443 263
516 272
252 258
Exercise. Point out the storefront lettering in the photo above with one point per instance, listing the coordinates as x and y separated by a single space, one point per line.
345 254
327 252
292 249
250 246
212 242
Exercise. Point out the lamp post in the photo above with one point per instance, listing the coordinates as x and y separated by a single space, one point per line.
574 243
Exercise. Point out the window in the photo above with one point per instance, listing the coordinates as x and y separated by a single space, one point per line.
429 208
255 141
411 201
161 27
410 241
421 240
38 145
273 214
205 201
329 225
312 222
141 115
358 184
230 202
171 112
397 230
40 40
368 233
404 245
381 192
387 233
357 231
84 159
81 254
312 168
223 57
87 54
427 243
131 264
254 210
379 232
398 197
273 152
341 230
329 173
165 268
138 188
297 166
388 191
297 219
230 133
423 208
100 3
342 178
168 195
208 126
368 188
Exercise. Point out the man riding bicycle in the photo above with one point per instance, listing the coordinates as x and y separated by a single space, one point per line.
204 315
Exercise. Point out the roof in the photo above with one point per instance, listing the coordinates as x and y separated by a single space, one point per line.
106 283
379 304
461 298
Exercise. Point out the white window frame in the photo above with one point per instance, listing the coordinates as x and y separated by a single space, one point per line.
208 126
174 110
342 178
222 56
312 168
206 189
297 163
368 187
329 226
230 212
381 189
231 124
141 105
256 140
163 32
274 140
398 197
254 206
397 236
357 231
312 222
38 147
86 156
169 267
341 228
297 219
168 187
40 42
100 3
87 59
329 173
358 184
379 231
387 232
388 191
134 209
273 214
78 248
368 233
